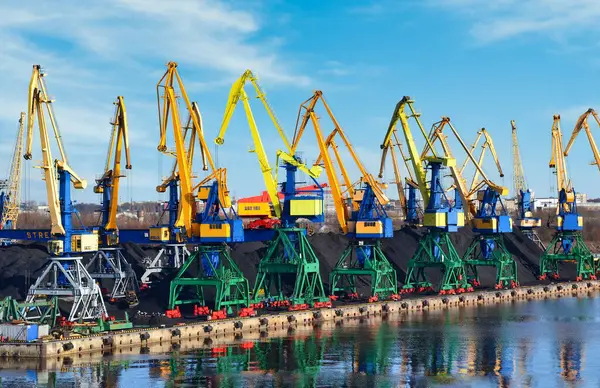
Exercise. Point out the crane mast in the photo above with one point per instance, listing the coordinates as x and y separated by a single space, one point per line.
519 182
11 198
567 245
360 209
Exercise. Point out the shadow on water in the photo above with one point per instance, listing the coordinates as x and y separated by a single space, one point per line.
537 344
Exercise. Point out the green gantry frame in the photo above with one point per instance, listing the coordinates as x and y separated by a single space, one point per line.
41 311
290 253
382 275
436 251
579 253
230 284
506 267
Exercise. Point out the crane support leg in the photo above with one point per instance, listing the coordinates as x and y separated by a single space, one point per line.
66 277
170 256
109 263
290 255
362 259
40 311
215 270
490 251
436 251
567 247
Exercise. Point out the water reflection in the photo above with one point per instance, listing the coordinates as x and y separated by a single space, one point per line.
540 344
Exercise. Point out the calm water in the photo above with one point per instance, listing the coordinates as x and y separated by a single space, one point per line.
552 343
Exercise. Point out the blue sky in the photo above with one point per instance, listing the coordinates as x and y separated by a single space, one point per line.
481 63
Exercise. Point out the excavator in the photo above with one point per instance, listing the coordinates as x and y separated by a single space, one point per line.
360 209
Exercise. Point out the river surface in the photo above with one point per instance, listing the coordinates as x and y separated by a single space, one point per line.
548 343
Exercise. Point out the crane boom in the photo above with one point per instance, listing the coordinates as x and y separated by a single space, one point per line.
329 143
582 122
12 196
238 93
415 157
38 99
108 184
558 160
519 182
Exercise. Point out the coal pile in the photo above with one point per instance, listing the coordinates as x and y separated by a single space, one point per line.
20 265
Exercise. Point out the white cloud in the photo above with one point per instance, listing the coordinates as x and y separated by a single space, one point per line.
94 52
504 19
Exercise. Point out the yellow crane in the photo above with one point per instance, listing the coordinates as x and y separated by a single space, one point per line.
360 209
289 253
63 276
238 93
11 197
168 109
209 229
57 172
108 184
441 217
567 245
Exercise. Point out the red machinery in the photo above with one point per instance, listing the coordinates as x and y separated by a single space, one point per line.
257 210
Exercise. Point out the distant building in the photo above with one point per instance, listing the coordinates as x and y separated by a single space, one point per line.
545 203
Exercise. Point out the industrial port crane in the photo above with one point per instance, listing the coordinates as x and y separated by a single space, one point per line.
567 245
359 208
65 275
526 222
10 198
486 213
209 230
109 262
173 251
108 184
289 253
441 216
